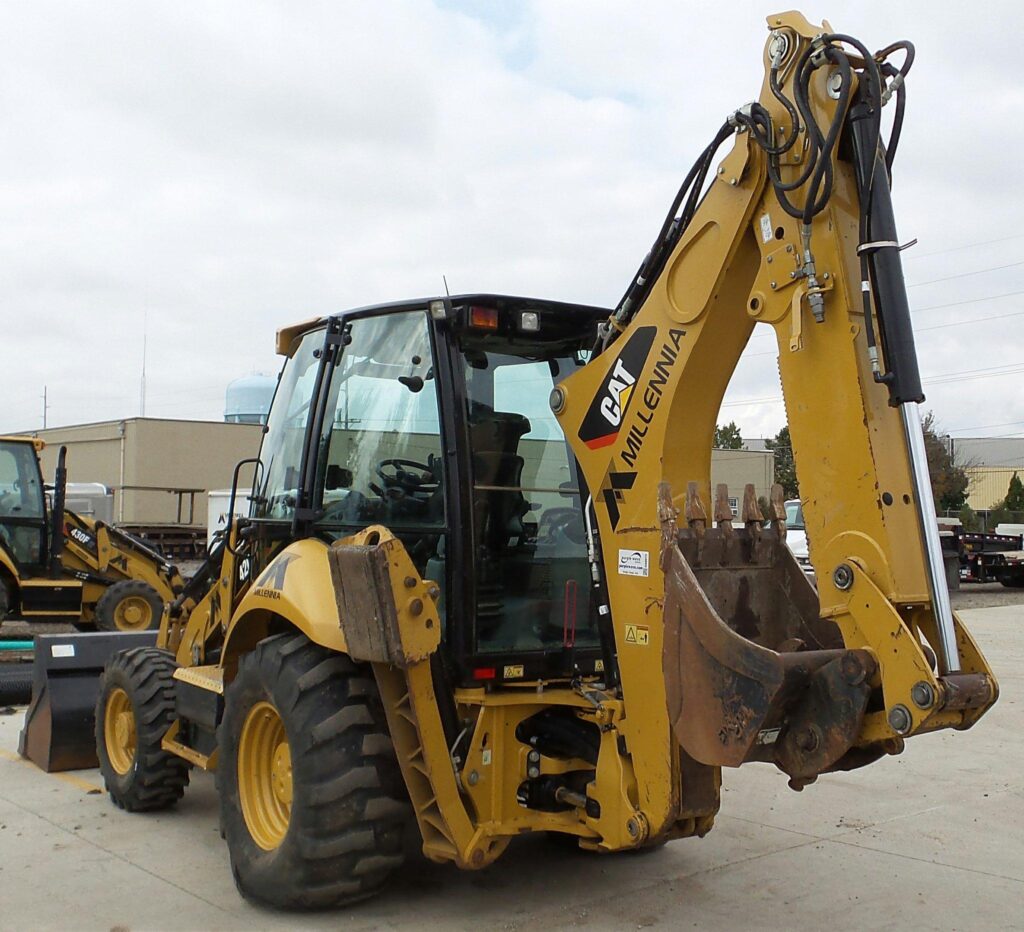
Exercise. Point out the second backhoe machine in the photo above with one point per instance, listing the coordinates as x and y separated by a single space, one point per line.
56 565
486 584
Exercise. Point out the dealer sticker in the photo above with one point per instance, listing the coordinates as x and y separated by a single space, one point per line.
634 563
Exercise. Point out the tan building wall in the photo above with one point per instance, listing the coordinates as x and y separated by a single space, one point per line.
988 485
738 467
145 459
161 455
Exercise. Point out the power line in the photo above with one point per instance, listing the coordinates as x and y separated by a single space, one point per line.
987 242
947 278
955 430
932 307
967 375
973 320
994 297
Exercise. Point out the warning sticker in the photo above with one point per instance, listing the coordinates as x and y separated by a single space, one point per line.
514 671
766 228
638 634
634 563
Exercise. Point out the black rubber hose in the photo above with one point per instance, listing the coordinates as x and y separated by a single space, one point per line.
15 683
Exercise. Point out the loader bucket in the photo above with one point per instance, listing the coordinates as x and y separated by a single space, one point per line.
60 724
751 671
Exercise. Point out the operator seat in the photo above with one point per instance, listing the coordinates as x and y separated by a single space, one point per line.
498 507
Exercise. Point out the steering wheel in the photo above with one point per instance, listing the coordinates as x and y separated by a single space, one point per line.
402 477
568 521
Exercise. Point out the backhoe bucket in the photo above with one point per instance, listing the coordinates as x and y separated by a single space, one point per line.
60 724
751 671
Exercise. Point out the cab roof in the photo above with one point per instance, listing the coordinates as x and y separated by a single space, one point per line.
586 312
35 441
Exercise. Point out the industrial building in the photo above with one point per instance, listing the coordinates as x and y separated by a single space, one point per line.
152 468
990 463
159 471
736 468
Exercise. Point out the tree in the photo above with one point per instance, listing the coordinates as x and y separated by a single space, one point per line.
969 519
728 437
785 467
1015 494
949 480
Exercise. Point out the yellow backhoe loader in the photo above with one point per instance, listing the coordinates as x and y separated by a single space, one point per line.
56 565
486 583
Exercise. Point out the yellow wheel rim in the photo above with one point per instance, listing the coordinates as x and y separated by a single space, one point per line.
119 733
133 613
265 776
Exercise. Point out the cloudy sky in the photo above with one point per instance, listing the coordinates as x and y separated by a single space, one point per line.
205 173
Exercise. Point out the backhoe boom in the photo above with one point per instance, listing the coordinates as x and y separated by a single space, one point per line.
796 218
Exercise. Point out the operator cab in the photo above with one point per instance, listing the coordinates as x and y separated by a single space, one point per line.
432 418
23 527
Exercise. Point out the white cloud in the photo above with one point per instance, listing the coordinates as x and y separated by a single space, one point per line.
222 169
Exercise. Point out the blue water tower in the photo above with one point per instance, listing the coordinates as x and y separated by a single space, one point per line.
247 400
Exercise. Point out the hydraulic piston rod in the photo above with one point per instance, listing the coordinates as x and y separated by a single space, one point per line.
911 415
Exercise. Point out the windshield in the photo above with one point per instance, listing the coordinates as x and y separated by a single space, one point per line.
21 493
21 502
281 453
794 515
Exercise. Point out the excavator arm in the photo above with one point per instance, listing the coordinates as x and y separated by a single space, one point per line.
794 231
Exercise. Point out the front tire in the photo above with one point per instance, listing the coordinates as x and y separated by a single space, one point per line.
313 806
129 605
133 712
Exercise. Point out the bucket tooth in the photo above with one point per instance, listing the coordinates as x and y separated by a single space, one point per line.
696 517
778 507
753 520
723 510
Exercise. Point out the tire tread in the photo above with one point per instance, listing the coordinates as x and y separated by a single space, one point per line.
158 778
346 835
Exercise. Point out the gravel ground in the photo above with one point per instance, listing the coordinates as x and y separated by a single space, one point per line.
985 595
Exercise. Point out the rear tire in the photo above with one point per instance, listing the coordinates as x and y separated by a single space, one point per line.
133 712
313 805
129 605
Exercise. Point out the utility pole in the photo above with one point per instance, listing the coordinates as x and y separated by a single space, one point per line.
45 406
142 381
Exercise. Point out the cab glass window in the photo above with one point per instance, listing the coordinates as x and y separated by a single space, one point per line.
21 495
530 544
281 452
380 457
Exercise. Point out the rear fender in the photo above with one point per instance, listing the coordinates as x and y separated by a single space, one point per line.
296 587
